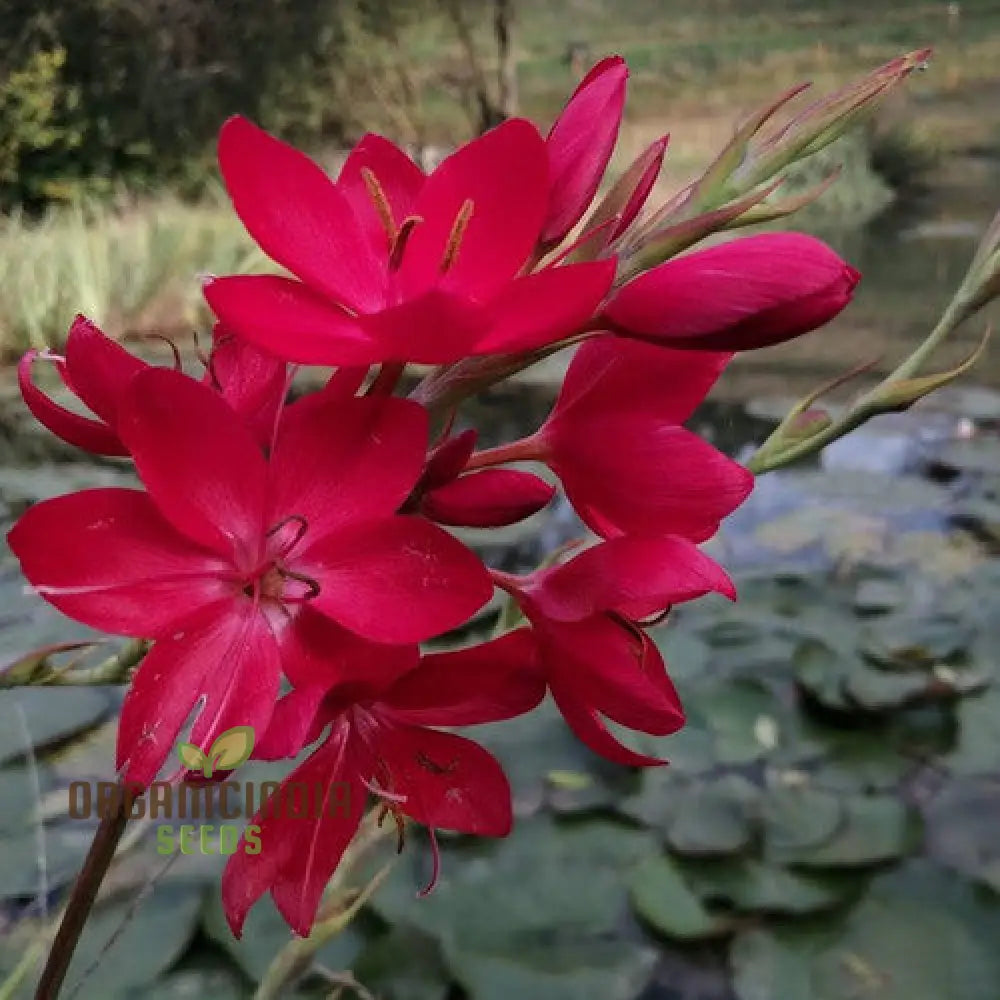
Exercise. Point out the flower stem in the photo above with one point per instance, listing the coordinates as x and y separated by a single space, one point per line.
81 901
524 450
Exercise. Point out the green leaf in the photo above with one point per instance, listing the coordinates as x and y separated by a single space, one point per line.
404 964
52 715
664 900
917 935
798 818
713 818
962 824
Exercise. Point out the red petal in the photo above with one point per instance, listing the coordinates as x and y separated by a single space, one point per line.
590 729
290 321
487 682
99 368
298 856
435 328
299 217
251 381
449 782
291 724
337 461
318 653
198 460
604 667
610 374
747 293
625 574
398 580
542 308
504 173
226 658
650 162
488 499
108 559
624 474
448 459
82 432
398 176
580 145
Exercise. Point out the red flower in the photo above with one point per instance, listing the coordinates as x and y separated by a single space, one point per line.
218 559
580 145
597 659
491 498
393 266
378 742
747 293
616 442
97 370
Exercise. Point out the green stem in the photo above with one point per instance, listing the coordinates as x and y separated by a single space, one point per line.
113 670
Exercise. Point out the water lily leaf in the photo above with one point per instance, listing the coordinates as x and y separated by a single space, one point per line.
663 899
655 803
51 714
979 455
917 935
404 964
584 970
977 749
750 885
745 718
905 642
798 818
874 828
266 933
197 979
713 818
876 597
821 671
546 878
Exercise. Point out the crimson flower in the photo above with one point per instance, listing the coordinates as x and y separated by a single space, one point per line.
747 293
616 442
97 371
597 660
378 742
580 145
490 498
217 560
395 266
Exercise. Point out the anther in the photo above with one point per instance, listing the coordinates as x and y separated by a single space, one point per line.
303 527
381 203
313 585
398 245
457 234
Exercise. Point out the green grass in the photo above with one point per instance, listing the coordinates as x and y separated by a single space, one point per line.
131 271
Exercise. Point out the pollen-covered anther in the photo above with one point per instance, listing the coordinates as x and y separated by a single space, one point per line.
381 203
457 234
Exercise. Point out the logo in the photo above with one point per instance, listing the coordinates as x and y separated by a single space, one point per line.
230 750
207 797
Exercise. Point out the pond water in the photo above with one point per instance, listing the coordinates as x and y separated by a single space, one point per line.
835 782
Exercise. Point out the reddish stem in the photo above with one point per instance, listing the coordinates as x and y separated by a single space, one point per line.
525 450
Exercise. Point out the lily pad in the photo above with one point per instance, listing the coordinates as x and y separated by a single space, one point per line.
917 643
977 749
404 964
664 900
799 818
962 823
917 935
713 818
749 885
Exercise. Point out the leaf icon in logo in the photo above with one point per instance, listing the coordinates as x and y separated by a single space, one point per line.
191 756
230 750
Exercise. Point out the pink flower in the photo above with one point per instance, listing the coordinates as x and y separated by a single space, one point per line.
616 442
218 559
580 145
378 742
393 266
751 292
598 661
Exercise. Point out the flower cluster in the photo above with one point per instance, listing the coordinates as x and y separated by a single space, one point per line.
288 556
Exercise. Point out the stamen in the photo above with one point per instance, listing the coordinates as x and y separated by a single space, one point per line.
457 234
381 203
303 527
435 862
657 619
166 340
398 245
